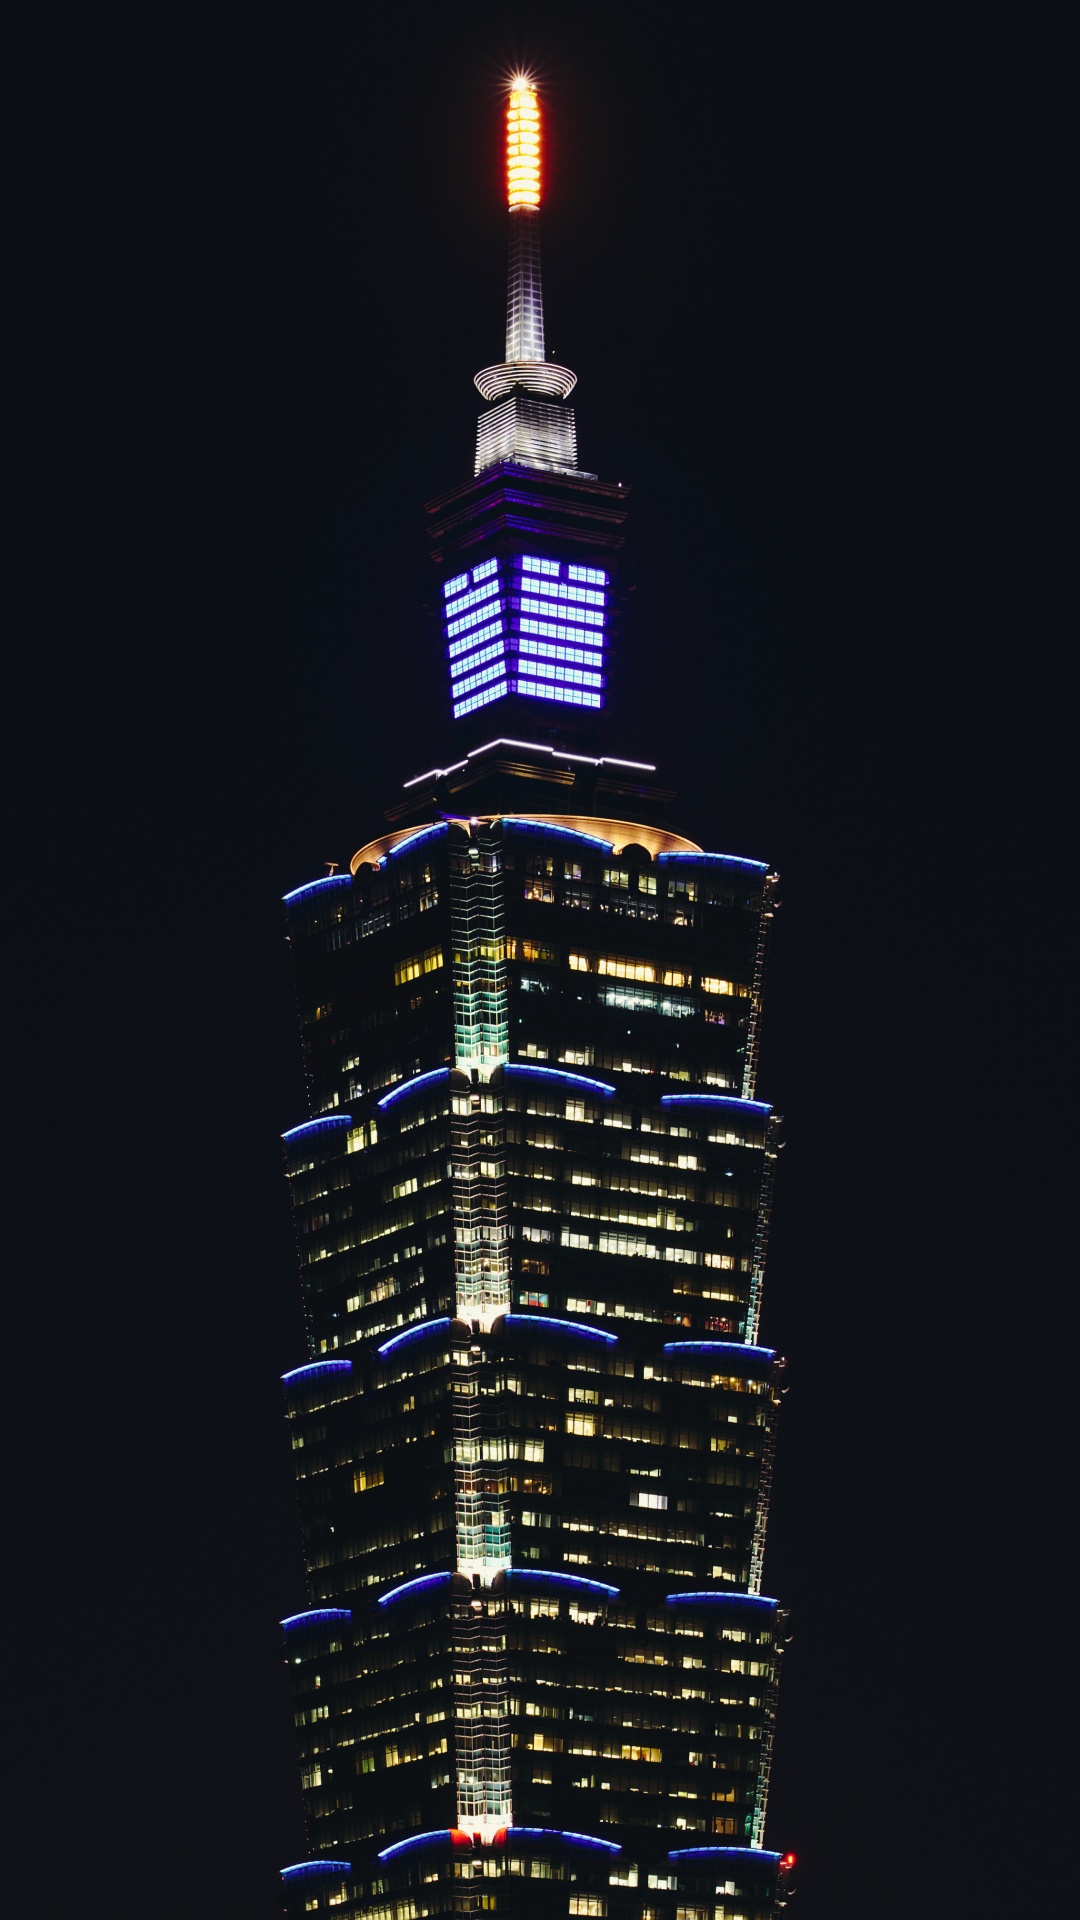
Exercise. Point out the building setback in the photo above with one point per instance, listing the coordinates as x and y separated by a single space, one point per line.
533 1440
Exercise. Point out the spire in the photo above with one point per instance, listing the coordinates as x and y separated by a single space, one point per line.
525 367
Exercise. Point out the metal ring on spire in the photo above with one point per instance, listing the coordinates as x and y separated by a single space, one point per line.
536 376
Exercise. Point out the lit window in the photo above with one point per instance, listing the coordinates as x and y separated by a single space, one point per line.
416 964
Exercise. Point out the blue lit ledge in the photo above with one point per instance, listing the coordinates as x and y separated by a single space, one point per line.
413 1333
558 833
414 840
423 1840
325 1124
307 1869
410 1086
565 1839
315 1617
556 1073
562 1580
316 1370
328 881
419 1585
714 1100
713 860
719 1346
719 1599
559 1326
725 1853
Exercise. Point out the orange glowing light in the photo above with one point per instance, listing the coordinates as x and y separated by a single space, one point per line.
523 145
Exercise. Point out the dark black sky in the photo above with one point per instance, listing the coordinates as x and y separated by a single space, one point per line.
810 275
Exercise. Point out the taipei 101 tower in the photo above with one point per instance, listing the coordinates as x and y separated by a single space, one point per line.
533 1432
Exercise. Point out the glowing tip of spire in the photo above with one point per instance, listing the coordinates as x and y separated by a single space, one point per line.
522 143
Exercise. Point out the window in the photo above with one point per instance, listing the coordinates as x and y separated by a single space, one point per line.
623 969
416 964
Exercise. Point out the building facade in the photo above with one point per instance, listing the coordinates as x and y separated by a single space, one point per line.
534 1437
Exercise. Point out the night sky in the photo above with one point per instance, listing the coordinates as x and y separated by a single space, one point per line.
810 277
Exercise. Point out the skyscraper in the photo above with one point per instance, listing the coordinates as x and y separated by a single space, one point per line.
533 1440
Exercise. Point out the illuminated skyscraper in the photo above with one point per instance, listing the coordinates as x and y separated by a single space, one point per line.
534 1435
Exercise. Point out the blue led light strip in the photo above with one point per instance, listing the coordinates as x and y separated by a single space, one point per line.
720 859
720 1346
413 1333
560 1326
315 1616
729 1100
558 833
305 1868
560 1834
724 1853
414 839
419 1585
719 1599
420 1840
315 1369
556 1073
323 1125
410 1086
317 886
561 1580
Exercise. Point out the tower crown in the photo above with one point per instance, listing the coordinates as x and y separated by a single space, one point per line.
527 550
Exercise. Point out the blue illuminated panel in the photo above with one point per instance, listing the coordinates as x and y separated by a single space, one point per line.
527 625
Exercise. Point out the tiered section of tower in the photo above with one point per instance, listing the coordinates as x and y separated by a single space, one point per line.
532 1218
533 1438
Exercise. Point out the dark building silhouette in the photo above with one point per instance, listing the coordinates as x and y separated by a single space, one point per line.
533 1441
